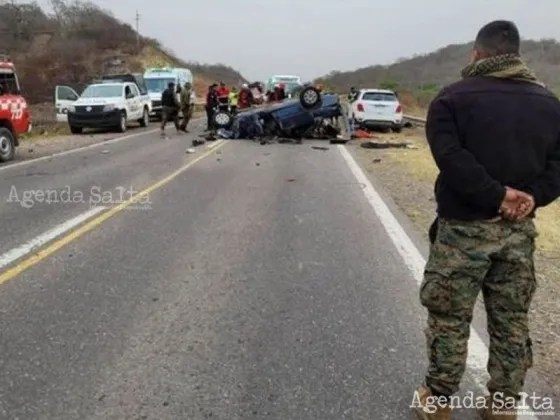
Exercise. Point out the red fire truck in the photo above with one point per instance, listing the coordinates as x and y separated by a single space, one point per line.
15 118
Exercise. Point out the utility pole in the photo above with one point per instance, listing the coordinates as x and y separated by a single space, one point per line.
137 30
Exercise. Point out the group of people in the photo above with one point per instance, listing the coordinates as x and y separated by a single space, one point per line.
171 106
220 98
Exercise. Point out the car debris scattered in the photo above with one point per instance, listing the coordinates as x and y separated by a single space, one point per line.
320 148
386 145
312 115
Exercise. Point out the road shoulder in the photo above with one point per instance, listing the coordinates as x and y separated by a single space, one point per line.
407 177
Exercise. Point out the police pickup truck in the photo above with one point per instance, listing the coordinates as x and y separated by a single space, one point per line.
111 101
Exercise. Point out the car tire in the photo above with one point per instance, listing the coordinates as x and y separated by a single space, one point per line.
7 145
310 97
123 122
145 120
397 129
76 130
222 119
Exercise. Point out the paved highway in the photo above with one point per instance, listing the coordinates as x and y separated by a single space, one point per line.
251 282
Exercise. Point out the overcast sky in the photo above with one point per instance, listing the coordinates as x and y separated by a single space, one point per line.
314 37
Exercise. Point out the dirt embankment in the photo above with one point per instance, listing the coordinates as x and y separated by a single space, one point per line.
408 175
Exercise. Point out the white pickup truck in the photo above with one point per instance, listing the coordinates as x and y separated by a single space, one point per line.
107 104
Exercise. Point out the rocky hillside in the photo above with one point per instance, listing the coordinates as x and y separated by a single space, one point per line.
424 74
74 44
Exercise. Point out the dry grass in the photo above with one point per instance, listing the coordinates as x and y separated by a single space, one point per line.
420 164
408 175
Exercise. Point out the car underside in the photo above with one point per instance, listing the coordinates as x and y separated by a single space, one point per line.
310 115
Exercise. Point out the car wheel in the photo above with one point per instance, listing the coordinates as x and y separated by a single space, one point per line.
144 121
309 97
76 130
222 119
123 122
7 145
397 129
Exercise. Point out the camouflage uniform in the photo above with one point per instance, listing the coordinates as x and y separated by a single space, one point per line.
186 105
465 258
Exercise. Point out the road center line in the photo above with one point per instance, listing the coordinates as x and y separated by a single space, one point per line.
415 262
15 254
41 254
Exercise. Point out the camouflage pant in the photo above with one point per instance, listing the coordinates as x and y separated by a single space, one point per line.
465 258
187 115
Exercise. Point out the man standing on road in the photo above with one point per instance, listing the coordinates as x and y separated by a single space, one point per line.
211 105
170 108
245 97
186 105
352 95
233 99
495 137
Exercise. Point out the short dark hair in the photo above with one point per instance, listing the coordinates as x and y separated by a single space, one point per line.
498 37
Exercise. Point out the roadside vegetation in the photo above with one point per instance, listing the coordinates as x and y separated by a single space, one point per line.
409 174
73 44
419 78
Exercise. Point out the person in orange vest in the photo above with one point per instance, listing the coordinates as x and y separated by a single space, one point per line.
245 97
223 96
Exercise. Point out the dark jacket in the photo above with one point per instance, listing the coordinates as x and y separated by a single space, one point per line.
169 98
211 100
487 133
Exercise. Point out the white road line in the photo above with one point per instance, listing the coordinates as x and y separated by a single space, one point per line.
16 253
413 259
80 149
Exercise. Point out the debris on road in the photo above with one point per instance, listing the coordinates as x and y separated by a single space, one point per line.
320 148
386 145
190 151
104 151
364 134
313 115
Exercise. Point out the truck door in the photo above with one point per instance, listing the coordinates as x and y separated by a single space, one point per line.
64 97
133 101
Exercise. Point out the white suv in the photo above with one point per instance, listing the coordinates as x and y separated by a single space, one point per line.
377 108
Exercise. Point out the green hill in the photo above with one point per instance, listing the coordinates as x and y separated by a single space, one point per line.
73 44
425 74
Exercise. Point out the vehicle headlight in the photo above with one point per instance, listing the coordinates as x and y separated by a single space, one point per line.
108 108
71 108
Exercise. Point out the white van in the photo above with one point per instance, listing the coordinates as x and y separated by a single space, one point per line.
156 81
292 82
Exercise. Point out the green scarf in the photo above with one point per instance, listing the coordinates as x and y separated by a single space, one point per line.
505 66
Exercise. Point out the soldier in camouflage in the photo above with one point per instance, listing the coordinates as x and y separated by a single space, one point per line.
492 179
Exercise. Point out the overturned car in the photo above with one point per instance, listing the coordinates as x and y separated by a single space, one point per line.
308 115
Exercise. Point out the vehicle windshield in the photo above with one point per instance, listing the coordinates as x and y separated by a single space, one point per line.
103 91
291 86
8 82
158 85
379 97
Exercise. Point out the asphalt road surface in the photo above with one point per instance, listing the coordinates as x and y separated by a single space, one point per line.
250 282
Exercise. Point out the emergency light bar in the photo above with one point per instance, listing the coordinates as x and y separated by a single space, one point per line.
159 70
